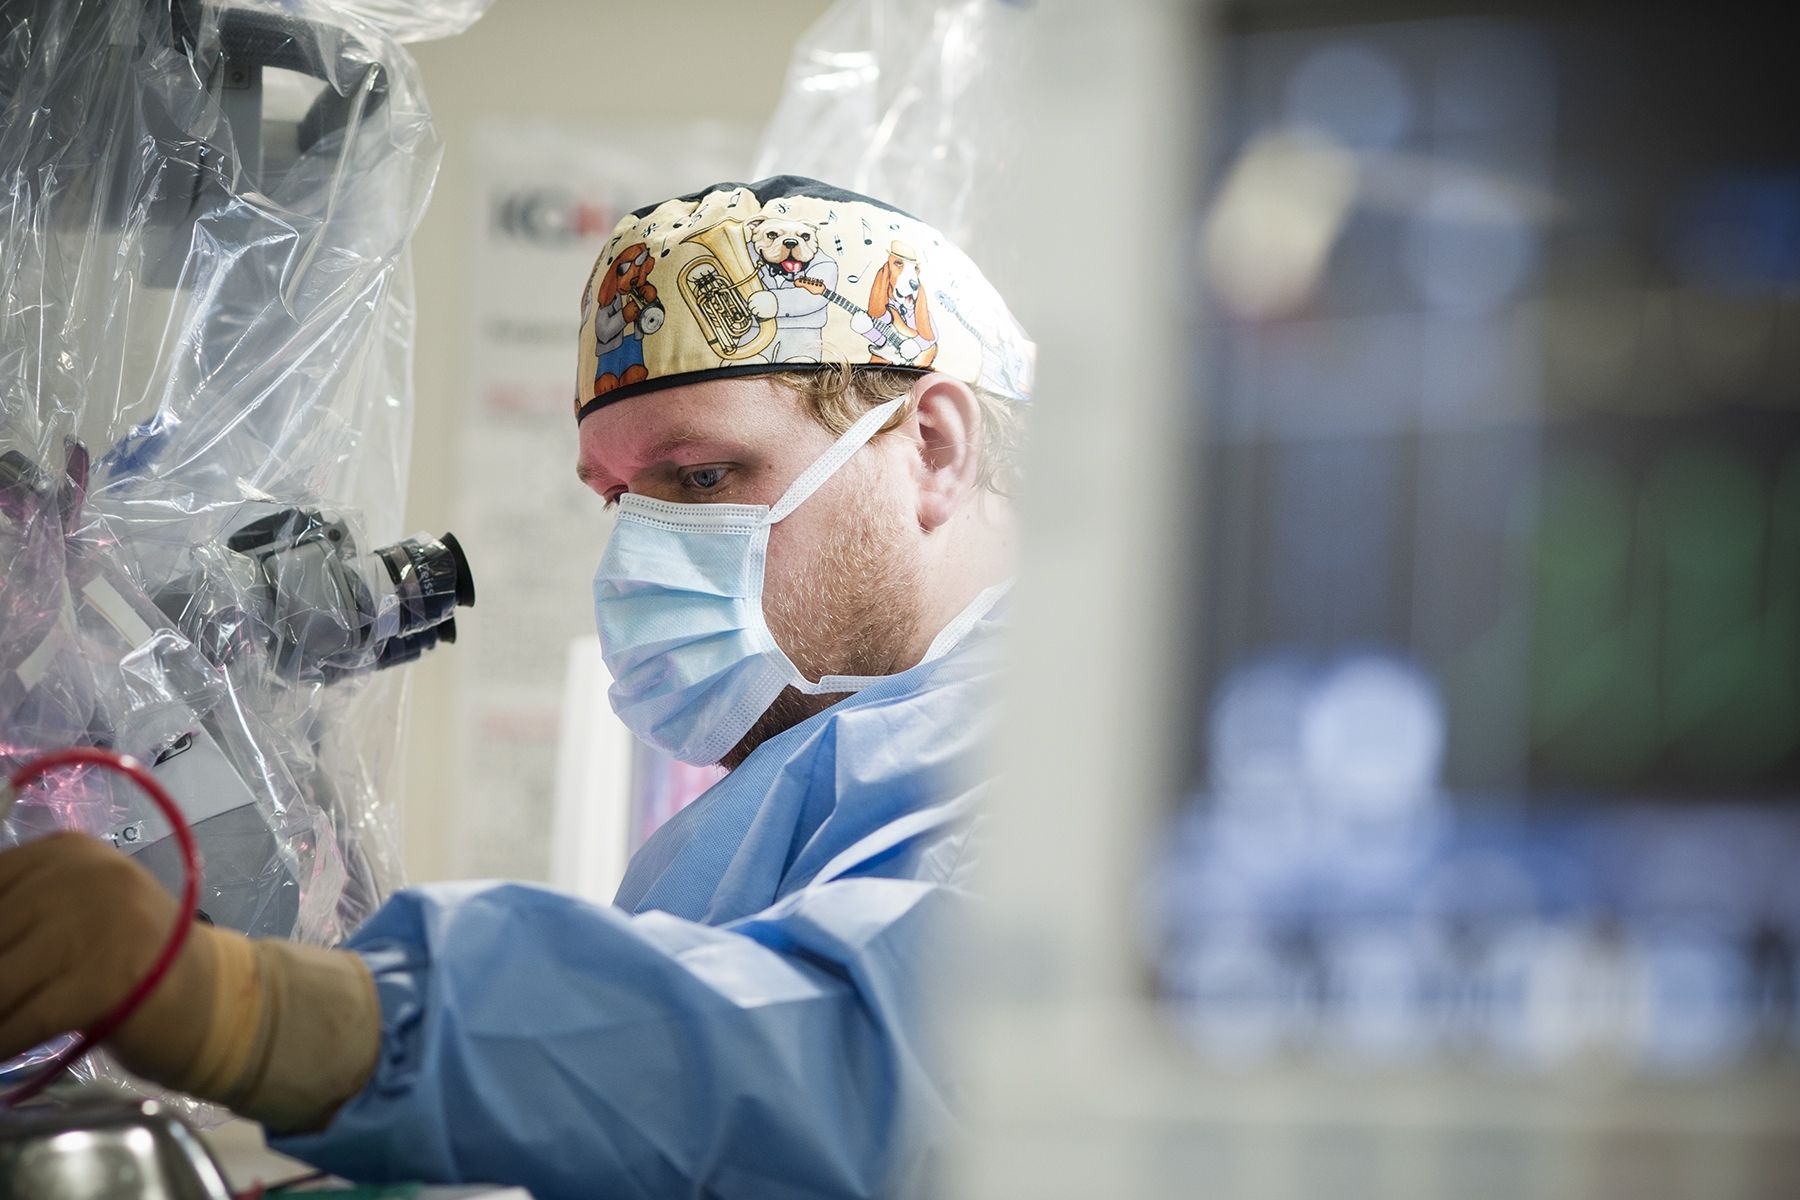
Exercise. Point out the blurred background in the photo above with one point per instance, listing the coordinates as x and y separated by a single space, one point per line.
1422 658
1496 720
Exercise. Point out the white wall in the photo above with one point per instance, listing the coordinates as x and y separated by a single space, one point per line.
601 62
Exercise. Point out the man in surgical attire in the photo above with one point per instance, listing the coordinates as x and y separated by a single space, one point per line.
810 540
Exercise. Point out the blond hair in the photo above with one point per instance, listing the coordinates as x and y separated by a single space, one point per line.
839 393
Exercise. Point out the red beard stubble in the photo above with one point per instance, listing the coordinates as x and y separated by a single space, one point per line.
852 610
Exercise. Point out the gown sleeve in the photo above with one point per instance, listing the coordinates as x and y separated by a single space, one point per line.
534 1039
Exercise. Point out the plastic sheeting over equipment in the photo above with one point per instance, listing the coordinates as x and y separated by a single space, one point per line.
205 329
917 103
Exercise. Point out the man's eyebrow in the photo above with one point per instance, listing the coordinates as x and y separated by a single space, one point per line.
587 472
675 441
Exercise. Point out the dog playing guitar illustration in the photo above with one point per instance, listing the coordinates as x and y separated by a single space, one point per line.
800 279
897 321
899 310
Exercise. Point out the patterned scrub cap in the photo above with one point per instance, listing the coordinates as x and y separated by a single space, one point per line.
785 274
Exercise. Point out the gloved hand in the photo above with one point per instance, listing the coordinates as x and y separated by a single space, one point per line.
281 1033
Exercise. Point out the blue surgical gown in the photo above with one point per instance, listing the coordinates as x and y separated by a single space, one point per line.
744 1022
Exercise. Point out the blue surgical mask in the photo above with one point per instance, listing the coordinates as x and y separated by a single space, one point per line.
678 603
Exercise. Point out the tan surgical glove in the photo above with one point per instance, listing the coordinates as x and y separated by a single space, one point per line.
281 1033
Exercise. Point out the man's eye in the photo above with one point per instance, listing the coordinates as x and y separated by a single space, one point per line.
704 479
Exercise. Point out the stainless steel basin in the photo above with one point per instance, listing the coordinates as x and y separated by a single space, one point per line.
105 1152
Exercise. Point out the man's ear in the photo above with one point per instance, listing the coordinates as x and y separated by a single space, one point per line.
947 417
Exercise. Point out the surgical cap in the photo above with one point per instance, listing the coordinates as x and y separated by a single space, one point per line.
787 274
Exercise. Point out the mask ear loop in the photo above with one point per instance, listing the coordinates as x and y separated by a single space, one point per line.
854 439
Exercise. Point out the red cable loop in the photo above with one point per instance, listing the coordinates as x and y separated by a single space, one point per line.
190 900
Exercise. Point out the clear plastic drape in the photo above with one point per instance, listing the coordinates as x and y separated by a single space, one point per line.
917 104
205 329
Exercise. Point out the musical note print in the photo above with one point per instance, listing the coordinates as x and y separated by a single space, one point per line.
839 242
781 208
867 239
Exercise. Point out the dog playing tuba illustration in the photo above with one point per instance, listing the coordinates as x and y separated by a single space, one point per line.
721 285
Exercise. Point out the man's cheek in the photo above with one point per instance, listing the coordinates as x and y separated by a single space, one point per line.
785 571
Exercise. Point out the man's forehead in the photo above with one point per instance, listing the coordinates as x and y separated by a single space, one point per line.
647 427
